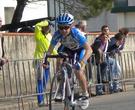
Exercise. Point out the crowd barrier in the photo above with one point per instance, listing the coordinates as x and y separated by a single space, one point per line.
126 60
18 81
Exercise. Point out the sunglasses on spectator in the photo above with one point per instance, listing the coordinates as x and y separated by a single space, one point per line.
63 27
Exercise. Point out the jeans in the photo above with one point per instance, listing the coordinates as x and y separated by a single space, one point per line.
42 80
115 68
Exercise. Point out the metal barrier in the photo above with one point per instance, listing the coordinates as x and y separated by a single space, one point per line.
18 81
126 61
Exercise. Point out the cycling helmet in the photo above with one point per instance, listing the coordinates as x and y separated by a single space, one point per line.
65 19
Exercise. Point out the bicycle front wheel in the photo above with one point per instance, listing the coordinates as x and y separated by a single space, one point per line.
53 103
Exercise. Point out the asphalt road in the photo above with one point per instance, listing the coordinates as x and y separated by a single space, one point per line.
116 101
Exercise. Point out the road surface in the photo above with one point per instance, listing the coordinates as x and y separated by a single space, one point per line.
116 101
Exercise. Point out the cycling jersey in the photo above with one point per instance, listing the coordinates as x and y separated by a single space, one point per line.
75 40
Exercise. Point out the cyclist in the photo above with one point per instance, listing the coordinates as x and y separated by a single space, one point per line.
72 41
42 38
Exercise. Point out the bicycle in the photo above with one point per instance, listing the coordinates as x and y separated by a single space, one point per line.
66 80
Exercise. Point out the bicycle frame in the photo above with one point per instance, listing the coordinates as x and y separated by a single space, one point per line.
68 89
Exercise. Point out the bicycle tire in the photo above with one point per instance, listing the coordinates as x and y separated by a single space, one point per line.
57 105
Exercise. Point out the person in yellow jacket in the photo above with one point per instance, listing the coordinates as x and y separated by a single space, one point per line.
42 38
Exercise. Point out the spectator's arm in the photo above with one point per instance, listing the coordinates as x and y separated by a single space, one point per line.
3 61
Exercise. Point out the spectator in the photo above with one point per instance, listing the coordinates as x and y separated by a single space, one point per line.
3 60
115 45
125 32
105 30
82 25
99 47
42 38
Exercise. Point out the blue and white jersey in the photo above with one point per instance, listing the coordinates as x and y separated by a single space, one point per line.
73 41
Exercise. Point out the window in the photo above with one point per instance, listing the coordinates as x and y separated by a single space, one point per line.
120 3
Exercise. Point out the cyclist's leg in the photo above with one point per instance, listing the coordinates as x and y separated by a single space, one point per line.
81 75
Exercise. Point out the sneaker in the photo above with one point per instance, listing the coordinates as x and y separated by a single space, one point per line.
41 104
84 100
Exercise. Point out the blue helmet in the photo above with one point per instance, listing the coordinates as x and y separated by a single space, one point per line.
65 19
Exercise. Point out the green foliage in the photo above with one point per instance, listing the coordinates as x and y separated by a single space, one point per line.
95 7
84 9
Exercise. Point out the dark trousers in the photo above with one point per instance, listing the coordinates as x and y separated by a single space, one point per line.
101 72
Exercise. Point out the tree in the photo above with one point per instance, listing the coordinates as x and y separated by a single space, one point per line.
84 9
81 9
18 13
95 7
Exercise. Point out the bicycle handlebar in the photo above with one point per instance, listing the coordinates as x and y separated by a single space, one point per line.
60 55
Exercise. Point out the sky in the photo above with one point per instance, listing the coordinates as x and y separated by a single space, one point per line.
35 10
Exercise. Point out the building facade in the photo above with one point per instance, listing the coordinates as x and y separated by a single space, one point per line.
31 11
121 15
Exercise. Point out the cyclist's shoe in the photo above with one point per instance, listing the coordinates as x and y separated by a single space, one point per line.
84 102
84 99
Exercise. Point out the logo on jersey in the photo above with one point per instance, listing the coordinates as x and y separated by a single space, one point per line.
70 43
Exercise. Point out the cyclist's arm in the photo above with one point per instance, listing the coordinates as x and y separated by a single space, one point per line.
53 43
88 52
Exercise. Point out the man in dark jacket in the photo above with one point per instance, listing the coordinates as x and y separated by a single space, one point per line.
115 70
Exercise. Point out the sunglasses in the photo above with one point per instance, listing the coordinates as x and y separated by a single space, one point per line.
63 27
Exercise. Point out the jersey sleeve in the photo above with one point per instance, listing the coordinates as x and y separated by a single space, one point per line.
55 38
81 38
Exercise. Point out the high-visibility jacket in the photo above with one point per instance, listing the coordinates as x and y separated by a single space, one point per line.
42 41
